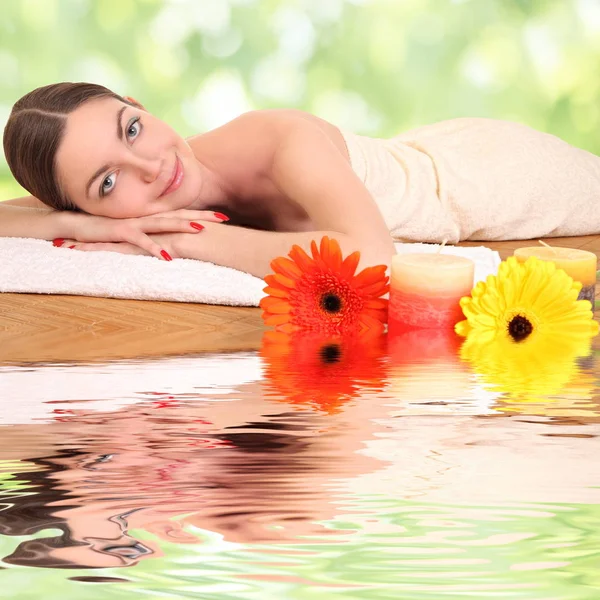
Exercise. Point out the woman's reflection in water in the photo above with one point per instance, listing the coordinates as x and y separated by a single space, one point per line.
236 465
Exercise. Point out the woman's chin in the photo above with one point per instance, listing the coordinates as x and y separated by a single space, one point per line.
169 205
188 204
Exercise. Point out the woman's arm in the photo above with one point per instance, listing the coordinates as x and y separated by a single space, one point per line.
252 250
26 201
309 169
39 223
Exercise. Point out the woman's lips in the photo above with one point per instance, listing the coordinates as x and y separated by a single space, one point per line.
176 179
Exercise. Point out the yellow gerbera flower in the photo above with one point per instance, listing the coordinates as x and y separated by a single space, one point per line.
524 300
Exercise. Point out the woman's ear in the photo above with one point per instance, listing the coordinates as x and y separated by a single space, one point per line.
133 101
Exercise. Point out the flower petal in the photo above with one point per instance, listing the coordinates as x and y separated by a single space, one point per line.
271 319
275 305
349 265
304 261
286 267
284 281
286 328
376 289
379 303
462 328
277 292
369 276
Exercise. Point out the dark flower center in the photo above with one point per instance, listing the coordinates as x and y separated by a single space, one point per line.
519 328
330 353
331 302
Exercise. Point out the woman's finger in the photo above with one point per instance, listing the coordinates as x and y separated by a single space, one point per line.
121 247
146 243
171 225
191 215
64 243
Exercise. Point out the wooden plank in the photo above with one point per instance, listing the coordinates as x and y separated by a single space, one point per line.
36 328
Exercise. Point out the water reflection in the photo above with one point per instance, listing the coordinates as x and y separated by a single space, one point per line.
427 375
381 464
240 467
323 371
548 373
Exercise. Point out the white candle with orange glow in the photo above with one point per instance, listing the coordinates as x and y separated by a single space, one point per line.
425 290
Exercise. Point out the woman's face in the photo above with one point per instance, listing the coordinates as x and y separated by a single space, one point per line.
117 160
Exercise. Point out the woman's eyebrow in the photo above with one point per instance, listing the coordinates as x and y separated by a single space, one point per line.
103 168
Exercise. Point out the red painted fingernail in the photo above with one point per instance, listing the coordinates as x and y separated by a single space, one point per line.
165 255
58 242
71 247
221 216
197 226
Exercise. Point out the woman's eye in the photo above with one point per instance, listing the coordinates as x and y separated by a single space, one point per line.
104 458
107 184
91 463
134 128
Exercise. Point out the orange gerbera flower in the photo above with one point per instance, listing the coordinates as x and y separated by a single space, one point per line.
322 371
322 293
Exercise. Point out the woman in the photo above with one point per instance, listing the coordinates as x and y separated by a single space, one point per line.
116 173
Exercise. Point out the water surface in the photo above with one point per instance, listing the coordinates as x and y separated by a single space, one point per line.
397 470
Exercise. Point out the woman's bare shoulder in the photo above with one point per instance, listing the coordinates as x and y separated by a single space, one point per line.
274 119
258 133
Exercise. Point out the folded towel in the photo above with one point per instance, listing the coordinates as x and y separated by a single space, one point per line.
37 267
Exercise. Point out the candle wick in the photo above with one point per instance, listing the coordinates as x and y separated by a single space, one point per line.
547 246
441 247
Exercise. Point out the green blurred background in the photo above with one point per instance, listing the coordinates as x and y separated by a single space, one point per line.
373 66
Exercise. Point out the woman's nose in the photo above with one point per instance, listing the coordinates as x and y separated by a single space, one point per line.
149 168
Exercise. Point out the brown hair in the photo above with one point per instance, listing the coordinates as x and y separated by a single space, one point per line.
34 131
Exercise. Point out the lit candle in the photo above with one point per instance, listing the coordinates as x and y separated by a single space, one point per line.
581 265
425 290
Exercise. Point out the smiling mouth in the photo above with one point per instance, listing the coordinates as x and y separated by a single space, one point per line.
176 178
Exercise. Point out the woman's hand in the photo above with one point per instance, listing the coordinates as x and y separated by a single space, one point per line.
88 232
168 242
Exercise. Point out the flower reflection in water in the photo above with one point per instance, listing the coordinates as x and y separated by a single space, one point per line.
323 371
539 375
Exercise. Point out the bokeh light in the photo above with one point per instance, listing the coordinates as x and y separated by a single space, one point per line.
376 67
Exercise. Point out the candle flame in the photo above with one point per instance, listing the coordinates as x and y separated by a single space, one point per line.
441 246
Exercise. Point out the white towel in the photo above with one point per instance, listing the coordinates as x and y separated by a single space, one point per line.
37 267
479 179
